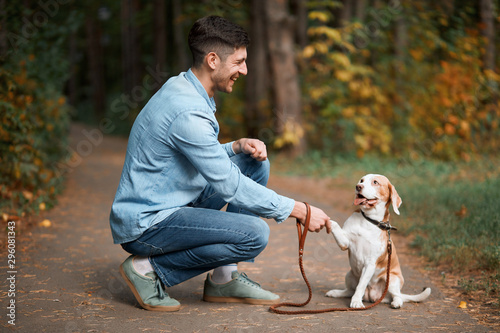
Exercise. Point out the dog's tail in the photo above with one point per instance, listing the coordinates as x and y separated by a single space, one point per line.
417 298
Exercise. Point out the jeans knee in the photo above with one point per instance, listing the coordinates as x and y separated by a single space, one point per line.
261 175
261 235
250 167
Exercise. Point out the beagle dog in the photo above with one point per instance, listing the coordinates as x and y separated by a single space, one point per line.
364 235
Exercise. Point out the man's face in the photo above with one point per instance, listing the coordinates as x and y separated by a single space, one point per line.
228 71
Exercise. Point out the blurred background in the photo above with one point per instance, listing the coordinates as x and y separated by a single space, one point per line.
410 80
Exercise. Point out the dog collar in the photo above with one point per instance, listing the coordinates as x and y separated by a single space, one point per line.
381 225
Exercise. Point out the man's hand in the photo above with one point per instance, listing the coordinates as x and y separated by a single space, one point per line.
253 147
318 221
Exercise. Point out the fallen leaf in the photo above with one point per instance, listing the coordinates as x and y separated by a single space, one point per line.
462 212
462 305
46 223
28 195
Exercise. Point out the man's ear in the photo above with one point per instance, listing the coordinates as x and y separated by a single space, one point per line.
212 60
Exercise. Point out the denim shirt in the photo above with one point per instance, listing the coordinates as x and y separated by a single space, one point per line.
173 153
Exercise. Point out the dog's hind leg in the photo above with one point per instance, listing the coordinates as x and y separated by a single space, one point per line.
337 293
395 292
348 292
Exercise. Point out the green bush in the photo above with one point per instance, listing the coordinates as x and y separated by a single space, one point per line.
34 116
34 122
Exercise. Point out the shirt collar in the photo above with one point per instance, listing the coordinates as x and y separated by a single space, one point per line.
200 89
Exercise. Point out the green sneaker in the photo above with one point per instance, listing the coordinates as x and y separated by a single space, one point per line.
239 290
147 289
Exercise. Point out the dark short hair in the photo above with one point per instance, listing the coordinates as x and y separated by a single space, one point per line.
215 34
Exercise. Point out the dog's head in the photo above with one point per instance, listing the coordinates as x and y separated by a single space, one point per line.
372 190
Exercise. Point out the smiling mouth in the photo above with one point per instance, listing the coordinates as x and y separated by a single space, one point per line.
362 200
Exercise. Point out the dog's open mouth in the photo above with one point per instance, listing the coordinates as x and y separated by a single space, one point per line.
361 200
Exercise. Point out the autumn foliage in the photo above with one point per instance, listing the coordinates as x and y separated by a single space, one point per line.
33 131
436 100
34 116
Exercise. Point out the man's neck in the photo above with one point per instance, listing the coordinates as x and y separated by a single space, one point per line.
205 80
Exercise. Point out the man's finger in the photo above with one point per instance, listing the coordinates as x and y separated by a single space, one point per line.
328 227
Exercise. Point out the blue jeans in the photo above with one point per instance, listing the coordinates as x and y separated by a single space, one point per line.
200 237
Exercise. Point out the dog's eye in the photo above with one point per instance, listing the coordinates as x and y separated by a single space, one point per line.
375 182
362 180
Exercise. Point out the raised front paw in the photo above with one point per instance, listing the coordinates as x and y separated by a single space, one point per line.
357 304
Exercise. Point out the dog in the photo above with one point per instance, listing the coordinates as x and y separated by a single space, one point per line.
365 237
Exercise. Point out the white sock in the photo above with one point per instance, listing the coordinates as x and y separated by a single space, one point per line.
142 265
222 274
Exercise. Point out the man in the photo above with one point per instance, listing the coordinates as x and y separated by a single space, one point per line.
177 177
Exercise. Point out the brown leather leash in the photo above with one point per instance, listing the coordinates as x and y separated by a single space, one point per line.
302 239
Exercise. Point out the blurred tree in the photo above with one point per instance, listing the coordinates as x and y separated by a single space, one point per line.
360 10
95 58
488 31
131 47
287 108
183 60
257 82
34 117
299 11
346 13
160 34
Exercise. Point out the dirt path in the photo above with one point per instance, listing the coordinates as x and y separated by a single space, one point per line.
67 276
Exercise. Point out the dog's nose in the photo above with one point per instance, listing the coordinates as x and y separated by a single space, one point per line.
359 187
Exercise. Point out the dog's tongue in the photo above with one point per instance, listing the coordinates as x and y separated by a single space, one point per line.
362 201
359 201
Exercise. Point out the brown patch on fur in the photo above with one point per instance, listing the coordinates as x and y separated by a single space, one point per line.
384 258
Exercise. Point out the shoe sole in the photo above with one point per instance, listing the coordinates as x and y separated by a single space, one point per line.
253 301
139 299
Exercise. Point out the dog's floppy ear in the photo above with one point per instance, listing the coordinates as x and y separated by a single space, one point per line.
395 199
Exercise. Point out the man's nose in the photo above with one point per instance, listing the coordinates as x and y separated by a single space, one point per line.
243 68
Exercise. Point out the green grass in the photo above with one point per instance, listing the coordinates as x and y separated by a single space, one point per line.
450 209
456 222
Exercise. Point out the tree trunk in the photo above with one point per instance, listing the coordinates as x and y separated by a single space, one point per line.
131 67
257 80
488 20
287 101
3 30
346 13
360 10
96 66
183 60
401 45
160 35
299 10
72 84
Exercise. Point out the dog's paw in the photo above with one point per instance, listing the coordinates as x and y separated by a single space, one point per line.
397 303
356 304
334 293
